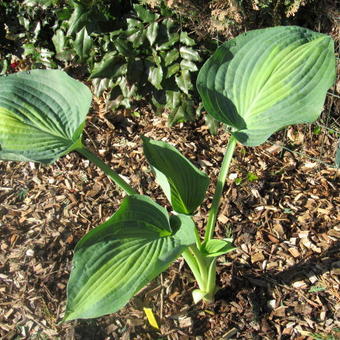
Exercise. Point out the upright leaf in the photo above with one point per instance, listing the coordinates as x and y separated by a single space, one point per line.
79 18
83 44
119 257
58 40
183 184
217 247
42 115
266 79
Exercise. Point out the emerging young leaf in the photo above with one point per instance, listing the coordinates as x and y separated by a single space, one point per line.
119 257
42 115
266 79
183 184
215 247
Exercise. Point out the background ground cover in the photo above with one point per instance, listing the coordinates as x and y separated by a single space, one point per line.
281 202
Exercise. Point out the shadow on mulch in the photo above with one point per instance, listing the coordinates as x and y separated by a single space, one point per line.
258 288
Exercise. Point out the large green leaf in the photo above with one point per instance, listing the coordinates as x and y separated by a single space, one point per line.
267 79
183 184
119 257
42 114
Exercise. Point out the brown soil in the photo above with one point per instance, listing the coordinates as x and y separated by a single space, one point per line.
282 282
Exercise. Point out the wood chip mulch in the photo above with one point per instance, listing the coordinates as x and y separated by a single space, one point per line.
282 282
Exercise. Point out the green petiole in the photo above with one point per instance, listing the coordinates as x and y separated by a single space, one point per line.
107 170
219 188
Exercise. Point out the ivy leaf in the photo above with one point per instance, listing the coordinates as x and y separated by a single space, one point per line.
188 65
155 76
111 66
100 85
79 18
170 57
127 89
171 70
185 39
182 113
173 99
144 14
151 32
183 184
184 81
137 38
134 24
83 44
124 48
122 255
173 39
189 54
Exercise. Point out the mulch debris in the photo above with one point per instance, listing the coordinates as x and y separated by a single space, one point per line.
283 212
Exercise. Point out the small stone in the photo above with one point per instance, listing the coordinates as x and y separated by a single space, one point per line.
299 284
30 252
271 304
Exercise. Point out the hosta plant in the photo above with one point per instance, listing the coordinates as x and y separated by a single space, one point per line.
257 83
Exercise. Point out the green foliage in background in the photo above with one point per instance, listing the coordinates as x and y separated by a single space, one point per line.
152 59
130 52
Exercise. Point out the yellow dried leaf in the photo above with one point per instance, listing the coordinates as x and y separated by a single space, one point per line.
151 317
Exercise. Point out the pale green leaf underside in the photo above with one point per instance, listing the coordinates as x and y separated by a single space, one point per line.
183 184
119 257
266 79
42 114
